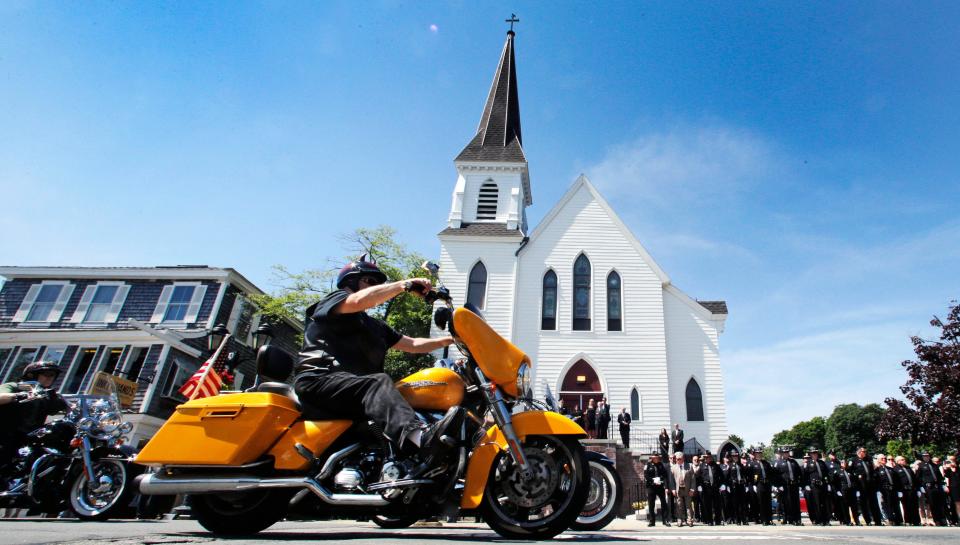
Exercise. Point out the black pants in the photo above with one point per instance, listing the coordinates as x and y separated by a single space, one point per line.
791 503
936 498
891 506
711 511
870 506
851 505
911 508
654 492
818 504
764 504
840 511
351 396
736 508
625 436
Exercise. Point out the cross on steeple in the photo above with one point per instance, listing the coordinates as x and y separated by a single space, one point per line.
511 20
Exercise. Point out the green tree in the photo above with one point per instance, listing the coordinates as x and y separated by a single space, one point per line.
736 440
809 433
850 426
407 314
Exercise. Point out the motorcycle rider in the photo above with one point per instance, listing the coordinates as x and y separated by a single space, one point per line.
22 412
340 367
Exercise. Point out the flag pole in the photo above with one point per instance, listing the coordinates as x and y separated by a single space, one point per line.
211 360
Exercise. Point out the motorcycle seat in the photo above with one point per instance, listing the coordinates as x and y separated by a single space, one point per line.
280 388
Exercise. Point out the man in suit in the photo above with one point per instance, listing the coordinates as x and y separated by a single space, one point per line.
676 438
909 491
888 483
862 467
657 478
603 418
623 421
682 485
816 477
932 479
735 476
709 481
849 490
792 478
763 479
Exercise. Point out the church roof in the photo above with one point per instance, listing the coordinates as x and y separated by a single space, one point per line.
486 229
498 136
715 307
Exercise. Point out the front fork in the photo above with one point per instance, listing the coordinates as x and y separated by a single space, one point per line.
502 416
87 461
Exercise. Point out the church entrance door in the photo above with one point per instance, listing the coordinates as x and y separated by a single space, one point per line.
579 386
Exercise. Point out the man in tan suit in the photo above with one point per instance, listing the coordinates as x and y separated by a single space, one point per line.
682 485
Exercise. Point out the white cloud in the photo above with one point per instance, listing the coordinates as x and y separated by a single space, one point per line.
685 164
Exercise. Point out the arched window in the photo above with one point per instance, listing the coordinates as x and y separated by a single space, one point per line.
635 407
694 402
487 201
548 312
614 322
581 294
477 288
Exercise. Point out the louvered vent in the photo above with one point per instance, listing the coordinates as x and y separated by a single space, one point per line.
487 203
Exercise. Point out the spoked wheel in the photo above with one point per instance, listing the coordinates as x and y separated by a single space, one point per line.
603 500
239 513
548 500
107 494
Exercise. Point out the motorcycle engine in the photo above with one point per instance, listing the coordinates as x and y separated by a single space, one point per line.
348 479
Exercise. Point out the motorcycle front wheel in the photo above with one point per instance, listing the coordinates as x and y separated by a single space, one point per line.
603 500
548 500
107 495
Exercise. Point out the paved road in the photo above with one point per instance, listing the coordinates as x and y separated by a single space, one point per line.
30 531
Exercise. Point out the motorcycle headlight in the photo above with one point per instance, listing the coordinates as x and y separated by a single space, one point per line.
110 422
524 381
86 424
126 427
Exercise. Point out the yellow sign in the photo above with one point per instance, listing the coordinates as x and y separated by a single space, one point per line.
126 389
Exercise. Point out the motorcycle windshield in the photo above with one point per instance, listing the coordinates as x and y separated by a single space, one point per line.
498 358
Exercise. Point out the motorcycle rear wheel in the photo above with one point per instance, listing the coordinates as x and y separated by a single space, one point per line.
603 501
239 513
546 504
106 499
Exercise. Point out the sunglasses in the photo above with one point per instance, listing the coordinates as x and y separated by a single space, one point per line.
371 281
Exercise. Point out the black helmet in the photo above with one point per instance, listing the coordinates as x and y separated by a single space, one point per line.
357 268
31 371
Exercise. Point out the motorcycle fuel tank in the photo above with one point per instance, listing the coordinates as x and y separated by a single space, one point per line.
434 389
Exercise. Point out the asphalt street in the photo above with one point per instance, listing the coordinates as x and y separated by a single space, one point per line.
30 531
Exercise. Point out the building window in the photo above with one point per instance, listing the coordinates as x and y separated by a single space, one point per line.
614 310
487 201
548 312
694 402
43 304
4 354
100 304
179 303
135 360
177 375
581 294
635 406
477 288
81 365
111 359
24 358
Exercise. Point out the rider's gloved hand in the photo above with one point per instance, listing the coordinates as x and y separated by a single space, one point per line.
418 286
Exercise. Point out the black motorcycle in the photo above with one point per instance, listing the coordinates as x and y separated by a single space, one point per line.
78 462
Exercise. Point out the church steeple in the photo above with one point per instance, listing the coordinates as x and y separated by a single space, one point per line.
498 137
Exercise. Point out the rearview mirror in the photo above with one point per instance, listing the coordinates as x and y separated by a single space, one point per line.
431 267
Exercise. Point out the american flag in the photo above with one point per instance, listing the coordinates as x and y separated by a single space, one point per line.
207 380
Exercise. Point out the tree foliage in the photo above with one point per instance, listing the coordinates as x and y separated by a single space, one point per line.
407 314
932 391
736 440
809 433
851 426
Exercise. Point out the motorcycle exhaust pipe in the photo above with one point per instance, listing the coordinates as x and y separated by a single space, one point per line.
154 483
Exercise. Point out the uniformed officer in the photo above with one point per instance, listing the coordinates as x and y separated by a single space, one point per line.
764 478
792 478
816 483
862 467
888 483
932 480
909 492
736 480
709 481
849 486
656 477
833 486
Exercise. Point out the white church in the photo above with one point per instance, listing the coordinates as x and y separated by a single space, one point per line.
578 292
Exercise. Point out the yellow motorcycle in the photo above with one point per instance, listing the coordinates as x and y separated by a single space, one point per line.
249 459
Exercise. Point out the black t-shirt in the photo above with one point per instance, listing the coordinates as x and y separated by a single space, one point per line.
355 342
26 417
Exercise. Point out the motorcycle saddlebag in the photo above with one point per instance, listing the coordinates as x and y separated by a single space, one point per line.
220 430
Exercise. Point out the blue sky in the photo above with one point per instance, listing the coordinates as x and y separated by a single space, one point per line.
797 159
